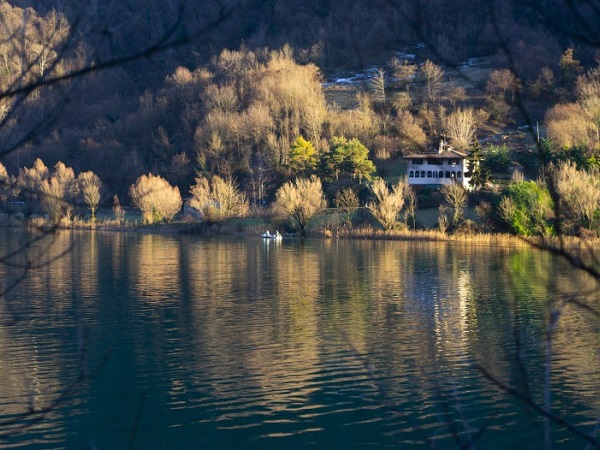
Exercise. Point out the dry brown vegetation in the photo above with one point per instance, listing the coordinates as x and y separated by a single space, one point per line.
579 193
301 200
90 188
388 203
456 196
236 113
432 235
460 126
218 199
156 198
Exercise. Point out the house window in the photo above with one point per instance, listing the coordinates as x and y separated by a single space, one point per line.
453 162
416 174
435 162
441 174
447 174
411 174
459 174
429 174
417 161
422 174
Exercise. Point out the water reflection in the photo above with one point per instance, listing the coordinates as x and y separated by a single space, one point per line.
295 343
154 265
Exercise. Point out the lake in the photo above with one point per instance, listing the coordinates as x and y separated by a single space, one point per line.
140 341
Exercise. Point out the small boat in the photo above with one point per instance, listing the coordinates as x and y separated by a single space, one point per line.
267 235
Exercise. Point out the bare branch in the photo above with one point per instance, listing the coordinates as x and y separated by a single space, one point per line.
537 408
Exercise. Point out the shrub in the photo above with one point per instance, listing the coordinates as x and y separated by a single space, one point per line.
57 193
456 196
388 203
155 198
89 188
526 208
497 158
301 200
218 199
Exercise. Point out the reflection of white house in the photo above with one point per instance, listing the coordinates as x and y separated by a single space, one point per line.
445 166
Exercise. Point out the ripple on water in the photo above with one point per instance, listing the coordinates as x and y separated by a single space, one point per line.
369 345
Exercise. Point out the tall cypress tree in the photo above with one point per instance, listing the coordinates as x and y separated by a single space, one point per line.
478 173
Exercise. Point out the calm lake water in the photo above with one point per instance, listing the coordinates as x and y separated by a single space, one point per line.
184 342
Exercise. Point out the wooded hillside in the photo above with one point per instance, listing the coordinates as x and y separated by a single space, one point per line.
243 79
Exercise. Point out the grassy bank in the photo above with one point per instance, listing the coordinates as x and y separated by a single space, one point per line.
327 226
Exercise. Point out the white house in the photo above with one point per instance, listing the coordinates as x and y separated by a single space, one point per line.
435 169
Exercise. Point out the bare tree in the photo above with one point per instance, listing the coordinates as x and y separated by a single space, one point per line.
53 32
403 71
46 63
30 181
507 208
90 188
259 107
155 198
501 90
301 200
503 83
401 102
579 192
218 199
57 193
429 119
457 94
361 123
588 97
460 126
378 86
294 95
432 75
8 185
456 197
568 126
48 53
388 202
411 206
118 211
28 81
53 201
443 221
346 201
222 98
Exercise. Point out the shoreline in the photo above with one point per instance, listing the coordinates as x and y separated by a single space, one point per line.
357 233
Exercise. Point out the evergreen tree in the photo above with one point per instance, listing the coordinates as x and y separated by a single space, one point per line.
348 157
303 157
478 173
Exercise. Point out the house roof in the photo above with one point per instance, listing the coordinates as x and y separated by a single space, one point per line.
436 155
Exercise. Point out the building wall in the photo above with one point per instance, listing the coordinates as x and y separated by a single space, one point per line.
451 172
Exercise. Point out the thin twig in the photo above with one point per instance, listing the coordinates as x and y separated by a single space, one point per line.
552 324
136 421
388 401
537 408
33 416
